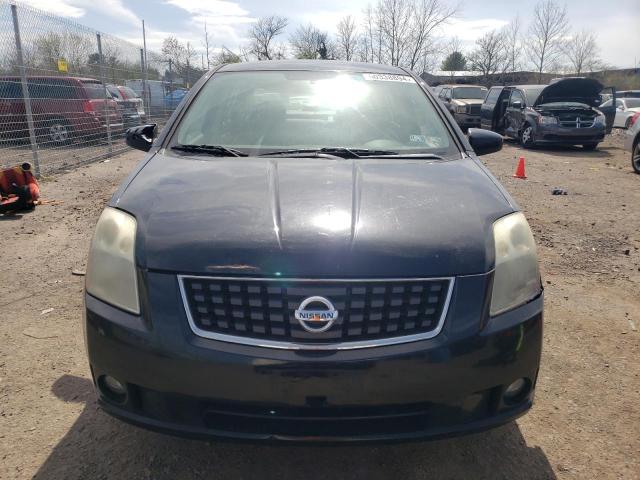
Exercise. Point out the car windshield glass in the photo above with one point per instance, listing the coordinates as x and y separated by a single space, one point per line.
114 92
94 90
474 93
129 93
632 103
262 112
532 94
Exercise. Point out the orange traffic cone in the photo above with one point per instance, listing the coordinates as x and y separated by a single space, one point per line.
520 170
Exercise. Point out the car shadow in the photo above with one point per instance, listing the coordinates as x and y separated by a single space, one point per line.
603 151
98 446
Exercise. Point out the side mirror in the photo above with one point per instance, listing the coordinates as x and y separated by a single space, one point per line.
517 104
484 142
141 137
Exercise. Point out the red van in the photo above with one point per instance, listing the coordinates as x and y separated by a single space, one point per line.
64 109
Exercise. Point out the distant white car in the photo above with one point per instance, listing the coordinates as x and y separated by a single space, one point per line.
625 109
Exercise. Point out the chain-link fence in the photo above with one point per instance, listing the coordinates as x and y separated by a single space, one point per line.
68 93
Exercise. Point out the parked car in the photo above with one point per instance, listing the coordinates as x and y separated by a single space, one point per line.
156 91
310 252
173 99
130 104
626 108
463 102
628 94
632 141
64 108
564 112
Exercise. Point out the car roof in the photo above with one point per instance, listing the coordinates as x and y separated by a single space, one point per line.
312 65
525 87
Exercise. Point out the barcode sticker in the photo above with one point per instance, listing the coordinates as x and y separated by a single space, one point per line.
386 77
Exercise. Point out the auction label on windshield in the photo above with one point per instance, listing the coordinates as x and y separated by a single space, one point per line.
387 77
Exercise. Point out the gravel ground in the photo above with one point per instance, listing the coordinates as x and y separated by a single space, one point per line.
585 424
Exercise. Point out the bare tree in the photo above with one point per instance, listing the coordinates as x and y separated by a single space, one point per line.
395 27
489 56
262 35
428 16
309 42
511 34
347 37
582 51
547 33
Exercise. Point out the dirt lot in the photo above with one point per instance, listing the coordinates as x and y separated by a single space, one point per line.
585 424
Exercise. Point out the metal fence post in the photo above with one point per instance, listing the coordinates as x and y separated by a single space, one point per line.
107 113
146 64
145 99
25 91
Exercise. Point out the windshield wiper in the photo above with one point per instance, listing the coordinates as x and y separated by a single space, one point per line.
335 151
217 150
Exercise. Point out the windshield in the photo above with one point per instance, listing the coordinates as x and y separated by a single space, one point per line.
475 93
261 112
532 94
95 90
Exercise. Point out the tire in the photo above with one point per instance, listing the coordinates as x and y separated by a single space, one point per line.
526 136
635 157
57 131
590 146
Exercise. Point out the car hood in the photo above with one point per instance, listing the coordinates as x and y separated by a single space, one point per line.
583 90
316 217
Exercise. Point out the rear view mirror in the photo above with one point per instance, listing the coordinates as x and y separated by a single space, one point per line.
141 137
484 142
517 104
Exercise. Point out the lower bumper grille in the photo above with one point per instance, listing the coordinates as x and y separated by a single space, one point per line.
258 311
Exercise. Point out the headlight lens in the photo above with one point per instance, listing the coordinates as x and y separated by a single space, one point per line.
516 278
547 120
600 120
111 272
461 109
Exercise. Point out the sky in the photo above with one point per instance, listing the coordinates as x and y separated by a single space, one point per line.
616 22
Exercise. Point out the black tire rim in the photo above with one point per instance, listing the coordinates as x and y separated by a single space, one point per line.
527 136
635 158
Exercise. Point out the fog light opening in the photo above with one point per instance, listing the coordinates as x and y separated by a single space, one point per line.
517 390
112 389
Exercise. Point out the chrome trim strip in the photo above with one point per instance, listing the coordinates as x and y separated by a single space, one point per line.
257 342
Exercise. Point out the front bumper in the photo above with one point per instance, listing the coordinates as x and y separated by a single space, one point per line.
182 384
558 135
467 120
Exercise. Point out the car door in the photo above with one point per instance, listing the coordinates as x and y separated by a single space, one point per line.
514 115
488 109
610 111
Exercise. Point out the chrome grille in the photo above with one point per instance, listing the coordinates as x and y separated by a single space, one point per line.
260 311
474 109
575 120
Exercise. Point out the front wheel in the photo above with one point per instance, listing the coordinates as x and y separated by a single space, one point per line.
590 146
635 157
526 136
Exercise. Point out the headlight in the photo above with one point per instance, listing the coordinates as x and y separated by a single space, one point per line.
600 120
516 278
547 120
111 272
461 109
